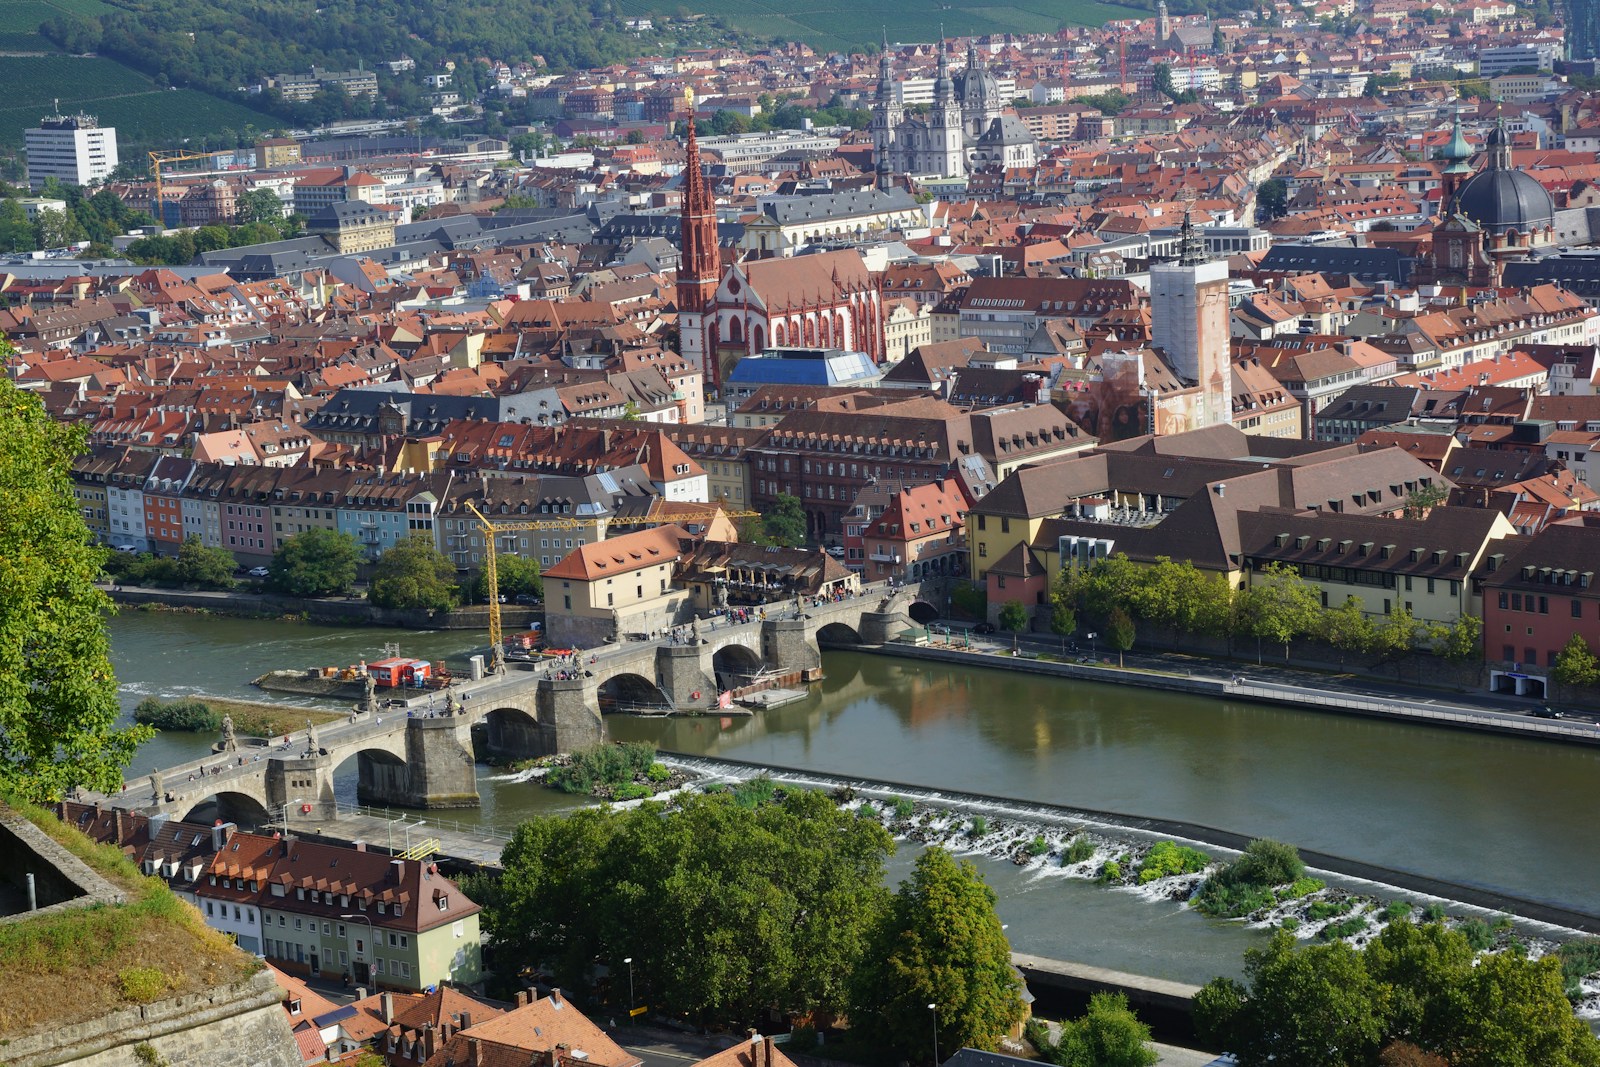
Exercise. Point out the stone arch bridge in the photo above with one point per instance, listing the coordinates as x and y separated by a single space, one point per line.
421 757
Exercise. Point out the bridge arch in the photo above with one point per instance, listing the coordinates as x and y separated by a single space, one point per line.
629 693
736 665
382 776
922 612
513 733
229 805
838 633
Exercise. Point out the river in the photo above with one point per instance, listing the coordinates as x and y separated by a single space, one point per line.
1505 814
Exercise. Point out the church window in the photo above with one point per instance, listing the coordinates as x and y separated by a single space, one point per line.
735 331
777 334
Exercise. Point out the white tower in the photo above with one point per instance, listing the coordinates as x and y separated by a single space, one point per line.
946 132
1189 322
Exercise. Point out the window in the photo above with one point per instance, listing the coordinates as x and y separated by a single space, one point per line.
444 903
1577 609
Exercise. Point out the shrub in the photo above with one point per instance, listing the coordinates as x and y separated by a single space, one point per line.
979 827
1080 850
1478 934
1501 922
801 1039
1247 884
142 984
1578 960
194 715
755 792
1167 859
1111 871
714 788
658 772
1434 912
903 808
866 810
613 765
1290 923
1038 846
1346 928
1302 887
1396 910
631 791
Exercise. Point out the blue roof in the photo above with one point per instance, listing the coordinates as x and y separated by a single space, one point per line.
805 366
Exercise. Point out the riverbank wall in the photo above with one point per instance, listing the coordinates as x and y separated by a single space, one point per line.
1396 708
1537 911
344 612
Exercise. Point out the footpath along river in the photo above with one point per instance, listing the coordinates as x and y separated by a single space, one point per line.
1504 814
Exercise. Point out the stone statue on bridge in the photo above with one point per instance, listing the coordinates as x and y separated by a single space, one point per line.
155 787
369 694
452 706
229 742
694 628
616 625
311 739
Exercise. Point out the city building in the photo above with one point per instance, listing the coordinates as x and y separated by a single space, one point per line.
73 149
1189 324
965 130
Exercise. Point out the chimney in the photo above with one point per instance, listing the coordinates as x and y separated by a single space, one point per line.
386 1010
220 834
361 992
430 1043
522 998
555 997
466 1021
360 846
474 1056
397 870
1221 488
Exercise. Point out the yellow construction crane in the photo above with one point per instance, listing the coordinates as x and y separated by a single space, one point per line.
491 569
158 158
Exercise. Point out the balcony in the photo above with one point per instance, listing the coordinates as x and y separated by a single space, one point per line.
884 557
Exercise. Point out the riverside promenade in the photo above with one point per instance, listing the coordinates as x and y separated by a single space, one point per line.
1266 683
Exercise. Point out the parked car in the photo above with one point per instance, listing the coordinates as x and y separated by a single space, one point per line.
528 599
1547 712
259 572
127 548
836 551
983 628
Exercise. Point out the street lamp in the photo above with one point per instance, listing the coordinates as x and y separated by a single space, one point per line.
629 961
409 825
935 1009
372 931
286 806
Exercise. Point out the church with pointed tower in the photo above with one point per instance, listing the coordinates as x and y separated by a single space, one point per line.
729 311
966 129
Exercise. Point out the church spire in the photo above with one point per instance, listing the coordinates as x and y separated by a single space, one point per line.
1191 244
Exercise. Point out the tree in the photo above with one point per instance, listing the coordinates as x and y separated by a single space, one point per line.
414 575
1272 199
1348 629
1063 607
202 567
941 943
1161 80
1424 499
258 205
57 229
1416 993
516 575
1012 617
785 524
1316 1007
16 232
58 696
1279 606
728 909
1398 636
315 562
1462 640
1575 664
1108 1035
1119 632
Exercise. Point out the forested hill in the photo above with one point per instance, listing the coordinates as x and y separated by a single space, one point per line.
220 45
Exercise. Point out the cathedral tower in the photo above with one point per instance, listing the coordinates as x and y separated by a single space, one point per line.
700 269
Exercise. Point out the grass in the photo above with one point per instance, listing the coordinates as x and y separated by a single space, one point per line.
1080 850
116 94
832 24
255 719
108 956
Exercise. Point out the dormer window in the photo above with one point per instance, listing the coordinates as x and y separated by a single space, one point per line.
444 903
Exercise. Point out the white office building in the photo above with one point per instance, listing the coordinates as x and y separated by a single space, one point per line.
73 149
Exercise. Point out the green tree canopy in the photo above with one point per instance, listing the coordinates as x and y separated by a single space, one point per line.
1013 616
1280 606
1575 664
727 909
202 567
1333 1006
516 575
315 562
1109 1034
413 574
1272 199
58 697
940 943
785 524
1119 632
1348 629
